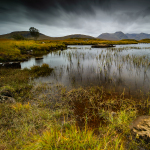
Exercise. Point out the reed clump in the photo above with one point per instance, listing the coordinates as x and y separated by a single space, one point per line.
43 70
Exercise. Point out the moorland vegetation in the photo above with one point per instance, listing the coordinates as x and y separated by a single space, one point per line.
49 116
19 50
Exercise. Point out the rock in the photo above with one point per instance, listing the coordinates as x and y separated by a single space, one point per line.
140 128
12 65
102 46
24 59
6 99
38 58
30 52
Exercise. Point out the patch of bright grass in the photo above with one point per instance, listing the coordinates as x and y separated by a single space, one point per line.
145 41
11 50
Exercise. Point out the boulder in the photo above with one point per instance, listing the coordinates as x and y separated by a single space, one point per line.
102 46
140 128
6 99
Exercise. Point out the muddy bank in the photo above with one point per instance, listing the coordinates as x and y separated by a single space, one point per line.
103 45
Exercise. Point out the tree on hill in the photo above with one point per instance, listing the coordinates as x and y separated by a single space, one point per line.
34 32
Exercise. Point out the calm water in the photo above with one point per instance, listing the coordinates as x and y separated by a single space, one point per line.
123 67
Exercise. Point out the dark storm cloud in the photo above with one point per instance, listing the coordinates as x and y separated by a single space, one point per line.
2 10
75 6
54 8
87 16
49 11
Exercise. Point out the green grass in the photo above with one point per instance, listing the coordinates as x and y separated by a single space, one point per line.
74 138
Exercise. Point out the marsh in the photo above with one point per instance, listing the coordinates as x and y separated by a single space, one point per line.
123 67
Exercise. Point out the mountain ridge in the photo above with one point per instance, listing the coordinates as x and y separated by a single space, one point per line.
120 35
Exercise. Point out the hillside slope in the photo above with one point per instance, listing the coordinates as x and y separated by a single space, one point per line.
27 35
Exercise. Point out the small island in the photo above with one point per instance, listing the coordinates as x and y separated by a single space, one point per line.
103 45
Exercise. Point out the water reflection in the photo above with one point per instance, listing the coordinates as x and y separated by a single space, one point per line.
39 62
123 67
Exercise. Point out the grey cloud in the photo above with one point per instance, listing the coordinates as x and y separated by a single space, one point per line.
133 17
87 16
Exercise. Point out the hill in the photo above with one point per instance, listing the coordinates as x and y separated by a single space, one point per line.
75 36
120 35
27 35
113 36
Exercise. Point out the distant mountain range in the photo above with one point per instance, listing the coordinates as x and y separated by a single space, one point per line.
27 35
120 35
106 36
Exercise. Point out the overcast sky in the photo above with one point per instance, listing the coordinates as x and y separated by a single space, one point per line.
57 18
